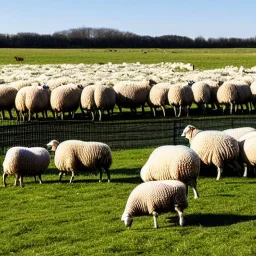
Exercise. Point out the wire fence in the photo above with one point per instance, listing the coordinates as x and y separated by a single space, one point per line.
118 135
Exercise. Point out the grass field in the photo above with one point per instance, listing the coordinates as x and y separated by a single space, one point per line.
202 59
83 218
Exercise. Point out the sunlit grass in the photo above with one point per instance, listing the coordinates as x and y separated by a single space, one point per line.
83 218
201 58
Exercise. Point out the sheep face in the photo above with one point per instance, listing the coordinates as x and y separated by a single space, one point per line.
52 145
187 132
127 220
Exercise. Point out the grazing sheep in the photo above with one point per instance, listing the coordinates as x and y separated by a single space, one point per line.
213 147
20 84
156 197
173 163
7 99
180 96
21 161
65 98
76 155
214 87
237 133
244 95
132 94
158 97
20 104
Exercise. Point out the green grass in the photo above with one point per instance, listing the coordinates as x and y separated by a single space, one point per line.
83 218
202 59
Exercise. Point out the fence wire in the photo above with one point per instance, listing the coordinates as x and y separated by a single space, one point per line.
132 134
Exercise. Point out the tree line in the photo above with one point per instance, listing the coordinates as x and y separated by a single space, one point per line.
112 38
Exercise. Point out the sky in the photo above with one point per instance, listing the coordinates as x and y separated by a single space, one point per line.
191 18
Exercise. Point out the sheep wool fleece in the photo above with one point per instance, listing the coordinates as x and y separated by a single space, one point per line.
176 162
158 196
74 155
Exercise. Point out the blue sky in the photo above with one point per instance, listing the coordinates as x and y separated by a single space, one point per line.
192 18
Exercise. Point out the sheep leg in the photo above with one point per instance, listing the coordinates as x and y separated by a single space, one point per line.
163 110
16 180
179 114
40 179
154 112
181 215
175 110
193 184
100 115
108 173
155 219
4 179
245 170
220 170
60 174
21 181
72 177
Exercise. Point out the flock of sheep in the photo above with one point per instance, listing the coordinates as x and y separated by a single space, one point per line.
29 100
169 170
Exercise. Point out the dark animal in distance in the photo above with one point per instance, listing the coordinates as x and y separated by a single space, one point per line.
19 58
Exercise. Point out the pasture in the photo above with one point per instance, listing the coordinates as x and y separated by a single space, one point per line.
202 59
84 218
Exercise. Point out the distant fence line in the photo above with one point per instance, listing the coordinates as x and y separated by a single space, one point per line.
117 134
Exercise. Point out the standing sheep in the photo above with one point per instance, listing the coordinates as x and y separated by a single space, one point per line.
158 97
237 133
87 101
76 155
132 94
156 197
173 163
21 161
7 99
202 94
213 147
65 98
20 103
180 96
105 99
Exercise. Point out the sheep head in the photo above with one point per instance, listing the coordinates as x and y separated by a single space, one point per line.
188 132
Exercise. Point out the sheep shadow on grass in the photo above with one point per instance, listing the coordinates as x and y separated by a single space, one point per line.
215 220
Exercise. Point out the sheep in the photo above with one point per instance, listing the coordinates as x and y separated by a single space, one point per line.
171 162
253 91
105 99
20 104
87 101
180 96
37 100
244 95
20 84
132 94
237 133
214 87
248 152
158 97
156 197
77 155
65 98
21 161
7 99
213 147
202 94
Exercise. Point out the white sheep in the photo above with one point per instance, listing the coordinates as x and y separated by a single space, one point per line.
87 101
105 99
7 99
158 97
202 94
20 103
65 98
21 161
132 94
213 147
77 155
173 162
155 197
237 133
180 96
37 100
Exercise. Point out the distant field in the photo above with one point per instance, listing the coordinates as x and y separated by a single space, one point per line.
202 59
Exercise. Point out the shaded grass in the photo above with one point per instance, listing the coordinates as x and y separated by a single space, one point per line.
202 59
83 218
